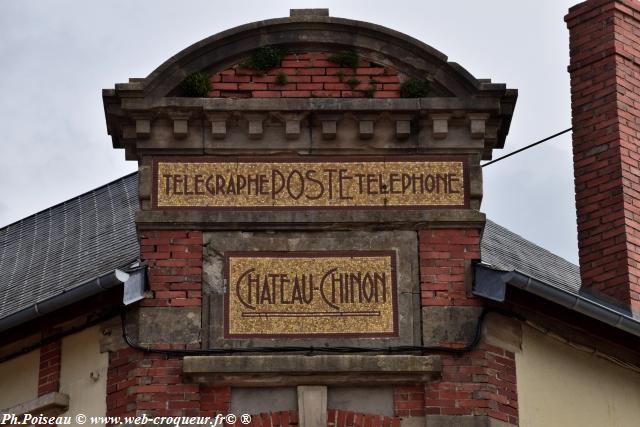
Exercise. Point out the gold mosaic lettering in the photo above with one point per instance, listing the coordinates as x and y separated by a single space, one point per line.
310 184
310 293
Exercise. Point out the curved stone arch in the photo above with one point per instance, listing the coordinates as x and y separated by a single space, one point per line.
315 33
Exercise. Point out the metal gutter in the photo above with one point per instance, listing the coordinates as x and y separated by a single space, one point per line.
491 283
85 290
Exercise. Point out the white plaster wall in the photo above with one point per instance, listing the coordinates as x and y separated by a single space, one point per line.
19 379
559 385
83 373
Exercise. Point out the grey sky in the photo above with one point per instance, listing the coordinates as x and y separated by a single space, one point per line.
58 55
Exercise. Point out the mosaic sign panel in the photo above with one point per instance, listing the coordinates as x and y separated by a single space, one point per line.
304 294
310 183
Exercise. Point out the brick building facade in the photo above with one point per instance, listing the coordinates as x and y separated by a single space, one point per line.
303 244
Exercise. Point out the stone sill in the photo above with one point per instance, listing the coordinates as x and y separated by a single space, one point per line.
51 404
289 370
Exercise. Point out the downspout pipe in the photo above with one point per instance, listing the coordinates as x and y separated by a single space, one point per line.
491 283
87 289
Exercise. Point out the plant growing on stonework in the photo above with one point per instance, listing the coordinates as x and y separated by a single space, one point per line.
415 88
370 91
345 59
265 58
340 75
353 83
196 85
281 79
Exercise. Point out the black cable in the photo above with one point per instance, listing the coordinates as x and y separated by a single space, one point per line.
311 350
527 147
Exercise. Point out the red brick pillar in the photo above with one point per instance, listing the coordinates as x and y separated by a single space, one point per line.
151 383
478 383
49 369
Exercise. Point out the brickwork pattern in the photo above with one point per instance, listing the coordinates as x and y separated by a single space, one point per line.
605 83
270 419
335 418
174 260
308 74
483 381
143 383
408 401
443 253
49 368
339 418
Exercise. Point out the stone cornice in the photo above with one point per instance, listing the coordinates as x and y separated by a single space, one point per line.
136 123
453 89
318 104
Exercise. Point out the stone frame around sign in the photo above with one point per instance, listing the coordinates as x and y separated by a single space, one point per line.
403 242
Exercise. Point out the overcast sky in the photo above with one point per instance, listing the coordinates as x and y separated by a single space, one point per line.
56 57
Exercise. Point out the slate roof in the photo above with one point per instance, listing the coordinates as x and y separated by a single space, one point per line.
507 251
69 244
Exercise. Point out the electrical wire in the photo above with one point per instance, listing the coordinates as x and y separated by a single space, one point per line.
328 349
527 147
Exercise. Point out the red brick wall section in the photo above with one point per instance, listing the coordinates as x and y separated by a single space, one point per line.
49 369
339 418
443 253
409 401
483 381
605 103
121 380
308 75
335 418
270 419
174 260
141 383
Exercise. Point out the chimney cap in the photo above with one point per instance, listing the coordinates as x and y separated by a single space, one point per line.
308 13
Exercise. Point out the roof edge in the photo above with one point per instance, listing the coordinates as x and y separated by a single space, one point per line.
491 283
69 199
85 290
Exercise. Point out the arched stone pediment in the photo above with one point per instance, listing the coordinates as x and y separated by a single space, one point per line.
311 32
315 112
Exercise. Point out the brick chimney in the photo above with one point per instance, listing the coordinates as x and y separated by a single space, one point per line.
605 104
